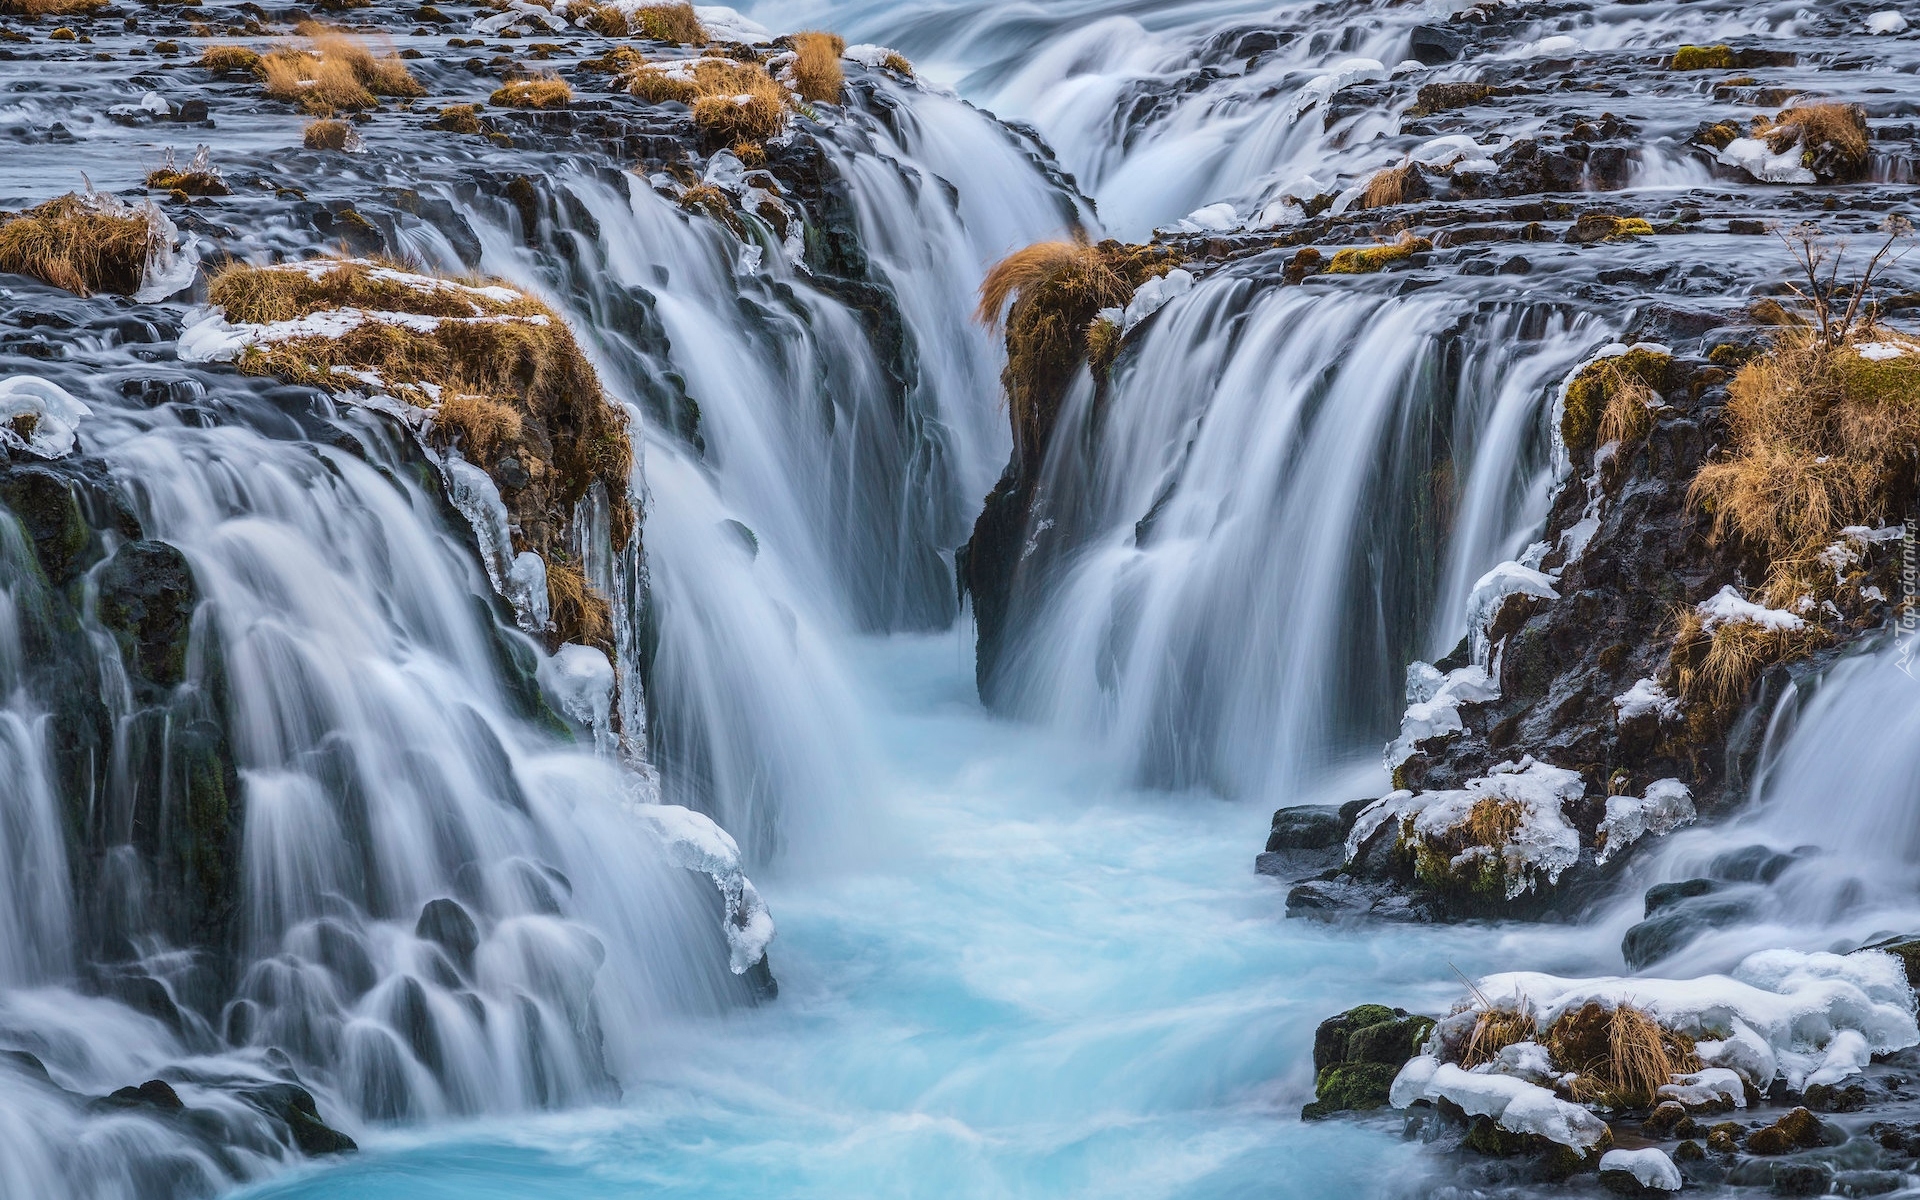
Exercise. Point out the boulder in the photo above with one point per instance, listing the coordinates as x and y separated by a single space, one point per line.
1356 1056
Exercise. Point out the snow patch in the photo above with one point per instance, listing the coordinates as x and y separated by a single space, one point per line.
1153 295
1514 1104
1433 705
1757 159
1728 607
1710 1085
1508 579
39 416
1667 806
1645 696
1650 1168
1542 846
1889 21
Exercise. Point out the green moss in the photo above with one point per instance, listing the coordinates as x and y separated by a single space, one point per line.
1702 58
1355 1087
1592 388
1887 381
1356 260
1392 1041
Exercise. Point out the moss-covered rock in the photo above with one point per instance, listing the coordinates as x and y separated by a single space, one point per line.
1357 1054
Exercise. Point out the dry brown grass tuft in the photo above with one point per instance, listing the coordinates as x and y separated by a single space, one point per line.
458 118
606 19
1492 822
533 93
80 243
1610 387
750 154
1621 1055
1630 401
675 23
335 73
731 101
1715 668
1103 344
897 63
1833 137
710 200
480 427
1493 1031
328 135
816 66
50 8
579 613
1822 439
514 351
616 61
1388 187
1049 294
231 58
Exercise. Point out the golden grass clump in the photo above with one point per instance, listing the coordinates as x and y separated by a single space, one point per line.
533 93
754 112
1050 294
1621 1056
1614 392
335 73
85 244
1493 1031
676 23
231 58
1822 438
606 19
328 135
1832 137
1715 667
1388 187
482 428
616 61
50 8
493 345
1357 260
1702 58
897 63
1104 336
816 66
579 613
710 200
731 101
458 118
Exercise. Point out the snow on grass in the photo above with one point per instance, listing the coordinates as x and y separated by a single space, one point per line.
1729 607
1779 1014
1542 845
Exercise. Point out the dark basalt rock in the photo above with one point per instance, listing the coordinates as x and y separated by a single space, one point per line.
147 598
446 924
293 1105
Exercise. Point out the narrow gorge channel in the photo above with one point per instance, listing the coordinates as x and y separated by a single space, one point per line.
844 599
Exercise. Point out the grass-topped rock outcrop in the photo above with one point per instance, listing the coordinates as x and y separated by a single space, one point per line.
494 374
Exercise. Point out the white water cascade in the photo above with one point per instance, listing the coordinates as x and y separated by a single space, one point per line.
1021 950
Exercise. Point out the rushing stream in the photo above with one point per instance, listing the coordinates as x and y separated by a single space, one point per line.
1021 950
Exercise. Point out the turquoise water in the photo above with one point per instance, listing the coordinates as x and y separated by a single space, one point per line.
1022 981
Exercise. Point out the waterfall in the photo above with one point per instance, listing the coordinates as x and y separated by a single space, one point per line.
1252 561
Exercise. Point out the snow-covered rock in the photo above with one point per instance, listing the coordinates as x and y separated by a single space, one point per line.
1757 159
1645 696
1707 1086
39 416
1888 21
1507 579
1650 1167
1667 805
1513 1103
1542 846
1153 295
1433 705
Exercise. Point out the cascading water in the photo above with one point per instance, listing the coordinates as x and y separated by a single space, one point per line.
1260 556
1020 958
